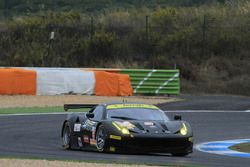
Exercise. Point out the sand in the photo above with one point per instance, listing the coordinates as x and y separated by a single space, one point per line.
46 163
45 101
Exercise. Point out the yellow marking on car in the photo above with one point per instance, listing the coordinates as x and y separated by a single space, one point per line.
117 106
92 141
124 130
112 149
190 139
115 137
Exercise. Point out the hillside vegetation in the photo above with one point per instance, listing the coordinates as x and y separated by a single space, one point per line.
209 43
13 7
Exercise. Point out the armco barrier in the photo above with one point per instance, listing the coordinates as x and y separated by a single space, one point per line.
154 81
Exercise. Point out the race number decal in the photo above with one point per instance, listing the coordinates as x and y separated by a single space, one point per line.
77 127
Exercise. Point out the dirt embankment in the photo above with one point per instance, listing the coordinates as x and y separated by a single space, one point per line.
45 101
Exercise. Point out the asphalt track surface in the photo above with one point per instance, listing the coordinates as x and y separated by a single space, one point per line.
209 102
39 136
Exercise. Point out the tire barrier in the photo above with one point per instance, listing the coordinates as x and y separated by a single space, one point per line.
98 81
112 84
58 81
17 81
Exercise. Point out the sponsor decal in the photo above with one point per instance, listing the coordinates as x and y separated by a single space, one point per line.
79 142
93 132
149 123
88 125
86 139
117 106
92 141
115 137
112 149
77 127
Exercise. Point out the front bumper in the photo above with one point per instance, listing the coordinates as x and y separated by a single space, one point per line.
152 144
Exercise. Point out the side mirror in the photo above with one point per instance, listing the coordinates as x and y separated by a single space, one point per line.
177 117
90 115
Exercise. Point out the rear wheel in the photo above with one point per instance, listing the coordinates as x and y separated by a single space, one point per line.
66 141
101 136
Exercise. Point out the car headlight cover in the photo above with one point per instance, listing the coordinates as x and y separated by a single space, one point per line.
184 129
123 127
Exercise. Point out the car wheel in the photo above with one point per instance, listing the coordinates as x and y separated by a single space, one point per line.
66 143
101 139
179 154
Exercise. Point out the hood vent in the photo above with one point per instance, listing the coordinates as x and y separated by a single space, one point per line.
138 126
164 127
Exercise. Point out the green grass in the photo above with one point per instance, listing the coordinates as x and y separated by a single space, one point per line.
36 110
243 147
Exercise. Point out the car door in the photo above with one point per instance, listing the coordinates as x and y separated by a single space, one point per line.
90 124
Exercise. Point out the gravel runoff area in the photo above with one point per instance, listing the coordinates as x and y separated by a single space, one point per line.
47 101
47 163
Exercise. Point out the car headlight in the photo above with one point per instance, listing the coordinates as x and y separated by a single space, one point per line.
184 130
123 127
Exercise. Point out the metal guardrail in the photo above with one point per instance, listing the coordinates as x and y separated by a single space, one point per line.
154 81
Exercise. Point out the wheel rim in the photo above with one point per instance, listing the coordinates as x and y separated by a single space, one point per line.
100 140
66 136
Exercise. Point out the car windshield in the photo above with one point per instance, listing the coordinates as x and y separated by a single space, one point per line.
137 114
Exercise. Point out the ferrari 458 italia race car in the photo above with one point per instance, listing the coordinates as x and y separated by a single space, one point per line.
125 127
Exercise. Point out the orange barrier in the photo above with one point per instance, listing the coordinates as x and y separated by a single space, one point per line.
111 84
17 81
125 88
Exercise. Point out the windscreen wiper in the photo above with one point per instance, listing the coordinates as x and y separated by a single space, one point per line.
125 118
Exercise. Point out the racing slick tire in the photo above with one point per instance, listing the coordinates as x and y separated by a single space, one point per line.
101 139
66 138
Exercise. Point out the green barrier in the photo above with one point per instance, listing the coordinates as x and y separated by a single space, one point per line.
154 81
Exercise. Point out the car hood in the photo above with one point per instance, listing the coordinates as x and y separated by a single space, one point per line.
156 126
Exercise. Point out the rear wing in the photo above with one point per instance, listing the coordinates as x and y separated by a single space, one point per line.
78 106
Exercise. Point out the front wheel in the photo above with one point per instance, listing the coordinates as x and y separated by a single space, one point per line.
66 141
101 136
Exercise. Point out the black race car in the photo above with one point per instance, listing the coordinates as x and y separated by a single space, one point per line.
125 127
